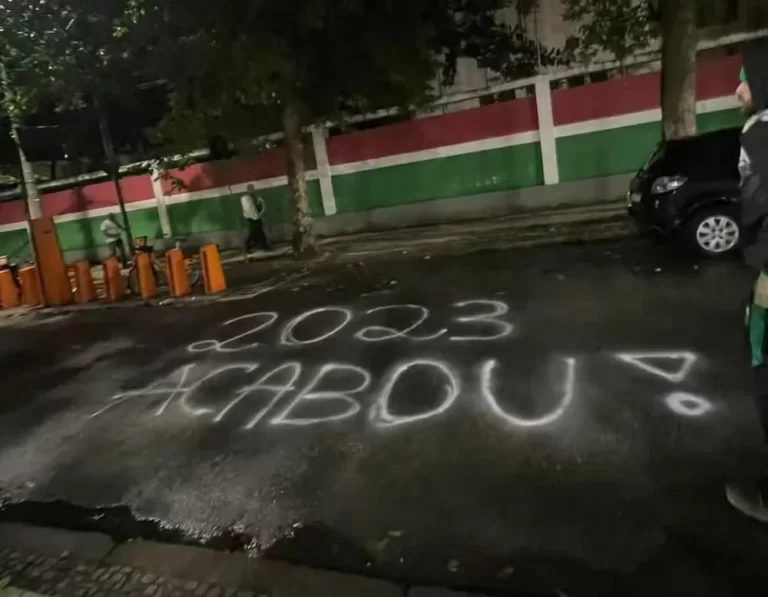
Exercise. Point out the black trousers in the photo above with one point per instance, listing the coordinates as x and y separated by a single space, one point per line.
760 379
117 249
257 238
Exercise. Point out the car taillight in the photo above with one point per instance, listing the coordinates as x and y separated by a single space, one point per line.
667 184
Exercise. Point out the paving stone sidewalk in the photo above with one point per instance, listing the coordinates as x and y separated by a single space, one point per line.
90 565
65 577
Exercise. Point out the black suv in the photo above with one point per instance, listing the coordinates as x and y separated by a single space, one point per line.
689 188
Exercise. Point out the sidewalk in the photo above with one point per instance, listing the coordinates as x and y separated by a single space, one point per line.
550 226
38 561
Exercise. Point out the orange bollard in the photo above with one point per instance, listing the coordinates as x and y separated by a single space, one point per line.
213 273
9 294
178 278
114 286
146 277
31 294
86 290
51 269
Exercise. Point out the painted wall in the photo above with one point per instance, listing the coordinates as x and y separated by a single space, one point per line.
505 150
610 128
464 153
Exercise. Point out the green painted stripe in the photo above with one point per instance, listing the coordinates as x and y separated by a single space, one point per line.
606 153
719 120
224 213
623 150
16 244
84 234
470 174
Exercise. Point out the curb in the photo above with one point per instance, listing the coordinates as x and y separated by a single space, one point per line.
53 543
91 564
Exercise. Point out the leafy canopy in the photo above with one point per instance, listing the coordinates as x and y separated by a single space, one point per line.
234 65
620 27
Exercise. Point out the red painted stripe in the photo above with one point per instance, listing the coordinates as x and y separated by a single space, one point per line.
609 98
12 212
718 77
715 78
95 196
212 175
496 120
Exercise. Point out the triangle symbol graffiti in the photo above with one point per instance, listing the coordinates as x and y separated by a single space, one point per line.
672 366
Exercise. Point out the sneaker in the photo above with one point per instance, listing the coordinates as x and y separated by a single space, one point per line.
748 499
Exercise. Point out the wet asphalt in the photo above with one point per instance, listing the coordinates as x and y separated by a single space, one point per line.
528 421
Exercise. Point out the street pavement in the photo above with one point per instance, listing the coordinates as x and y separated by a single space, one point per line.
538 420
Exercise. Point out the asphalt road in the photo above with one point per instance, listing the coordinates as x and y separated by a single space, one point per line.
538 420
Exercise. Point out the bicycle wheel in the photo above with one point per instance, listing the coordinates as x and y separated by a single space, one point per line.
133 279
194 272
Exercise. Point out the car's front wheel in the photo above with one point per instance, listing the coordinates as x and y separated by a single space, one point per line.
714 232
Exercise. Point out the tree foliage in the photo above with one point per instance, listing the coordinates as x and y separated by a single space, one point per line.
624 28
242 68
71 52
258 64
335 58
26 73
621 28
475 31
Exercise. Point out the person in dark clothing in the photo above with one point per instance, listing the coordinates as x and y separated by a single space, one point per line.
6 265
253 213
752 499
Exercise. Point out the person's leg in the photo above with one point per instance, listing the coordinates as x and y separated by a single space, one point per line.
123 253
252 239
261 236
760 379
14 269
112 248
751 497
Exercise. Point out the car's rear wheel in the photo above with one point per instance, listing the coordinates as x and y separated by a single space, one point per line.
714 232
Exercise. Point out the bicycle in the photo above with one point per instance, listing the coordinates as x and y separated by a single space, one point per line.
159 268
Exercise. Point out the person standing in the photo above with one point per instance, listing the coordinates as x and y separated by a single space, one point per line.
752 93
253 213
112 232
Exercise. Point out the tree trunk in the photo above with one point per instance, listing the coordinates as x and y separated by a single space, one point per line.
113 167
303 236
678 68
31 192
29 181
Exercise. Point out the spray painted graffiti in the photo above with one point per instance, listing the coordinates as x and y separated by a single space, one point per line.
300 393
646 360
478 320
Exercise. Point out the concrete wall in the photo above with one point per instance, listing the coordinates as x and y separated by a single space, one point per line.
490 205
444 211
485 161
